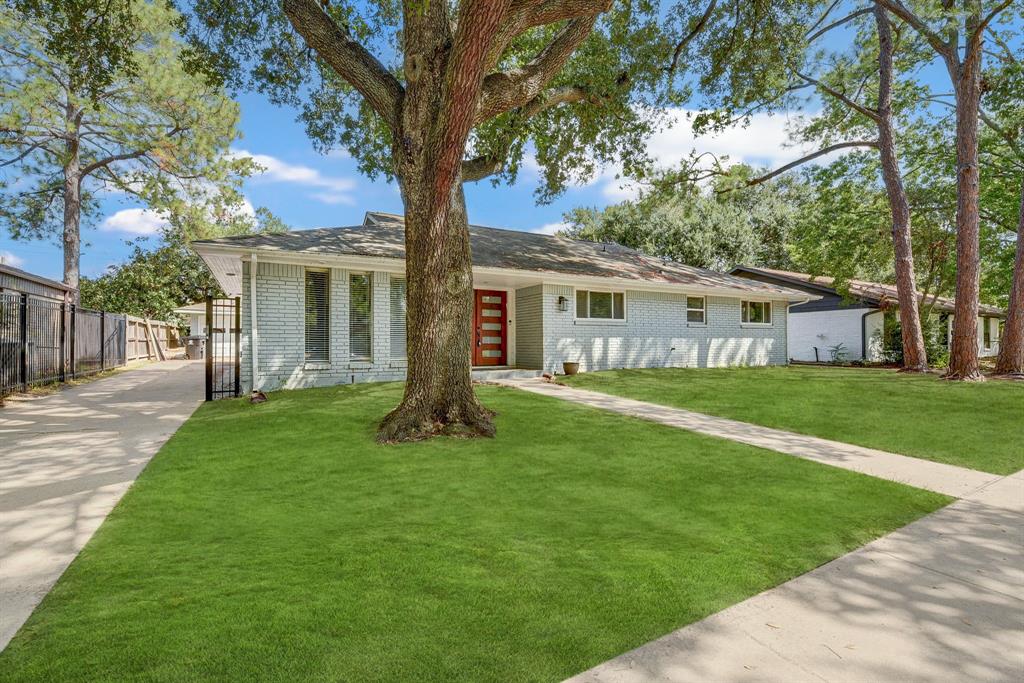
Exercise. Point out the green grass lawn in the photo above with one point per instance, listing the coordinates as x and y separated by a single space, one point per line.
980 426
279 542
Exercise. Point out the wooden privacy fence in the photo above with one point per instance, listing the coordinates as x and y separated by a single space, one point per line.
151 339
43 341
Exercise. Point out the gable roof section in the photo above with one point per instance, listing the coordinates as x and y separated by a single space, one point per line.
874 293
383 236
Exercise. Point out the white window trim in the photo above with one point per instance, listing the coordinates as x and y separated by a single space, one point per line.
600 321
767 302
704 310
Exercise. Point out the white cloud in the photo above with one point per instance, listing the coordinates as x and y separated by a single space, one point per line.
550 228
135 222
332 190
332 198
9 259
764 142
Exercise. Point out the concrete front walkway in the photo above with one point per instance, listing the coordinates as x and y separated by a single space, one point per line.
925 474
65 461
941 599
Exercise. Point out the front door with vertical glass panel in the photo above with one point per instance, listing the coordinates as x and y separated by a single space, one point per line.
490 328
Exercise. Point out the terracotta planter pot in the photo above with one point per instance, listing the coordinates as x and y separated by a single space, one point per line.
570 368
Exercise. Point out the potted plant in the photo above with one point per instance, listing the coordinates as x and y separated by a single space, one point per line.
570 368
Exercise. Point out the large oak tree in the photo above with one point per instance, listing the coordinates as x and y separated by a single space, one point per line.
438 93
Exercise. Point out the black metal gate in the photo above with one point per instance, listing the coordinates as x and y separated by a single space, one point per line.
223 350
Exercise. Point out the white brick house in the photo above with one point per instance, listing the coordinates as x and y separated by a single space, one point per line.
330 306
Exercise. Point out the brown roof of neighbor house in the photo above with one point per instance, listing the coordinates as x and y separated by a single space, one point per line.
870 292
383 235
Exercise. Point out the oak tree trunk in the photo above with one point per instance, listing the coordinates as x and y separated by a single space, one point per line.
963 360
439 397
914 355
1011 346
443 74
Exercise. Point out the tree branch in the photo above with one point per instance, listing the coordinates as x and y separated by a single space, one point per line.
838 22
347 58
945 49
688 38
506 90
870 113
803 160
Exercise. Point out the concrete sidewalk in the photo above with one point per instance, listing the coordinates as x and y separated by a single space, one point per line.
941 599
65 461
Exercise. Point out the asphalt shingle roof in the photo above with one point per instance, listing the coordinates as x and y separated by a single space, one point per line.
870 292
383 235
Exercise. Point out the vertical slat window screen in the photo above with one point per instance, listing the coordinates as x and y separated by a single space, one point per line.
360 316
398 332
318 322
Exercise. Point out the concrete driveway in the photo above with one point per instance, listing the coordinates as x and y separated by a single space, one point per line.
65 461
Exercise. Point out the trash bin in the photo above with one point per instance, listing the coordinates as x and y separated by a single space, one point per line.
195 347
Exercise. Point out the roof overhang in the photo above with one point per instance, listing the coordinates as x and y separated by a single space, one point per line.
225 262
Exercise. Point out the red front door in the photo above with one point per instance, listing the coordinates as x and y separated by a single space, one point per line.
490 327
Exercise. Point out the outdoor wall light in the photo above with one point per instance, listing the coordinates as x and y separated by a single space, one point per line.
563 304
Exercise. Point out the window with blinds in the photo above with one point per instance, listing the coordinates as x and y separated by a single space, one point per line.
398 336
318 309
360 316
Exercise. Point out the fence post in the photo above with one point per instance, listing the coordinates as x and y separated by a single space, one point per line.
209 348
63 342
74 315
103 339
23 331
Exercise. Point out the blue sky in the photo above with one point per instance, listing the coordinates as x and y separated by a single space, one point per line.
307 189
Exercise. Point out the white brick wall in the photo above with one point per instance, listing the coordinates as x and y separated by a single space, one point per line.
656 334
280 293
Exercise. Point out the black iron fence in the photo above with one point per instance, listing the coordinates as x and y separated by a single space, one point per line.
44 341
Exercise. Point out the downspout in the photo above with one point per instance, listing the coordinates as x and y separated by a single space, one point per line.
864 334
254 344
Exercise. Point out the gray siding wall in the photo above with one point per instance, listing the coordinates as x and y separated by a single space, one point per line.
529 327
280 294
656 334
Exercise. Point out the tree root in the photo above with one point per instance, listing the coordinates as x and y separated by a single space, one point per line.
410 423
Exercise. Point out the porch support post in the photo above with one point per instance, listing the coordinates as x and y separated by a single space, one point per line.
254 348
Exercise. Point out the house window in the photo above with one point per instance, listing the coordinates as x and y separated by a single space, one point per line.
756 312
695 310
318 313
360 316
600 305
398 338
987 330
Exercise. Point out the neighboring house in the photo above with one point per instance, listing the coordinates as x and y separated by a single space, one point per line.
330 305
856 321
16 281
195 317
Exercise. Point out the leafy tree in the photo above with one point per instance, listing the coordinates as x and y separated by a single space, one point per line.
152 282
464 91
700 227
147 128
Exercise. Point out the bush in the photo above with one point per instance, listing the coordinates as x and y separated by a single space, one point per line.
934 330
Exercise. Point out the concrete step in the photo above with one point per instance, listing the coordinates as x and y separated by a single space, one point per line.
487 375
